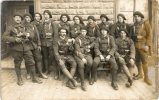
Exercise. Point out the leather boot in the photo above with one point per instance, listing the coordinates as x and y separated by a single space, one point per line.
34 78
18 73
83 86
145 70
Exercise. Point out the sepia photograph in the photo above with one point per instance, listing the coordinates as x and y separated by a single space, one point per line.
79 50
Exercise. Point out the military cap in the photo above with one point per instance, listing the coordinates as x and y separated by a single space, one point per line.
138 13
123 29
91 17
47 11
17 14
122 15
27 14
105 16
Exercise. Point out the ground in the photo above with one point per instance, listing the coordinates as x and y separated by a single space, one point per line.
54 90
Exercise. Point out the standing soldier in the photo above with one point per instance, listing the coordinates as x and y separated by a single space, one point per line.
64 18
20 44
104 21
76 27
119 25
83 57
64 55
142 36
35 43
104 50
47 37
126 55
92 27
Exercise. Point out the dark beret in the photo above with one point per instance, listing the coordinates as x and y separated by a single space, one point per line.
91 17
138 13
27 14
105 16
123 29
122 15
18 14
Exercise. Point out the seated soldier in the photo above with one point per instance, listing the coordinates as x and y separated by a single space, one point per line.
126 54
104 50
64 54
83 56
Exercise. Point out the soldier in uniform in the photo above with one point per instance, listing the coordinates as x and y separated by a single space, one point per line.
76 27
49 33
104 50
125 55
118 25
64 18
20 45
83 56
35 43
64 56
141 33
104 22
92 27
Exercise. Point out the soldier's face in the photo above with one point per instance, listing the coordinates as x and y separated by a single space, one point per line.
63 33
123 34
28 19
137 18
90 21
104 32
103 19
64 18
17 19
37 17
46 16
76 20
120 19
84 32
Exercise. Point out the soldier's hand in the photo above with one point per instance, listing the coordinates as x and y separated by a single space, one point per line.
84 61
101 57
18 40
146 48
89 46
61 62
39 48
20 34
139 37
132 62
121 59
108 57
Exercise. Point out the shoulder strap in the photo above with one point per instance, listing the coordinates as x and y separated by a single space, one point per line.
80 42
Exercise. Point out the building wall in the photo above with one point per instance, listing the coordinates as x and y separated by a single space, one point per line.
93 7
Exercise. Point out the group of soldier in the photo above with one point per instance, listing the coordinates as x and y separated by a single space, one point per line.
69 47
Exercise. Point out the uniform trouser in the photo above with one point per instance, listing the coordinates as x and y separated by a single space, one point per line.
124 64
47 53
113 64
141 62
68 60
82 66
29 61
38 61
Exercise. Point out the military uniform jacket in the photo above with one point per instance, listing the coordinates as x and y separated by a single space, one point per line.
105 46
81 46
11 34
49 33
75 30
32 29
125 48
62 48
144 30
116 27
106 25
66 26
93 31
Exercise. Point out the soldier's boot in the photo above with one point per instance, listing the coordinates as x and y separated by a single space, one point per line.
81 72
46 64
39 67
94 75
70 85
19 78
114 80
128 74
68 74
140 74
146 78
33 74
